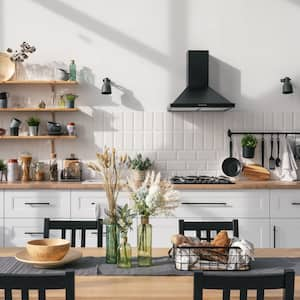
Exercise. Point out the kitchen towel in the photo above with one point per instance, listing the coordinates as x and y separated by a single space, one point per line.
289 166
162 266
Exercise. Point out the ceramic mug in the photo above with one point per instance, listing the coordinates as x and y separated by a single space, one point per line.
15 123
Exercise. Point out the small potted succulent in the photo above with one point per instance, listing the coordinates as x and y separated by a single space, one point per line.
70 100
3 170
249 143
33 125
139 166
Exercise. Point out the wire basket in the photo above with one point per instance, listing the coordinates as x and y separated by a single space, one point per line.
210 258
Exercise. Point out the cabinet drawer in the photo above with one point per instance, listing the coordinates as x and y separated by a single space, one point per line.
285 203
19 231
214 204
37 204
84 204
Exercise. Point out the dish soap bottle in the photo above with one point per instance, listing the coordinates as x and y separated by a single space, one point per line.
53 169
72 70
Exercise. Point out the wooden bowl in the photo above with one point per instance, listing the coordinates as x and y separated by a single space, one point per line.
7 67
47 249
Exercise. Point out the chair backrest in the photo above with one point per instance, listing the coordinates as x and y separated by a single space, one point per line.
208 228
244 282
40 282
72 225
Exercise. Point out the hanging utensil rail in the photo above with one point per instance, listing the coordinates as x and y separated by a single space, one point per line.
230 133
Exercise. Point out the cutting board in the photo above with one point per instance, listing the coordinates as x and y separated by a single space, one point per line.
256 172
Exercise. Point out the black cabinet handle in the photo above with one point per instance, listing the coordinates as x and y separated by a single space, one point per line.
37 203
295 203
33 233
204 203
274 236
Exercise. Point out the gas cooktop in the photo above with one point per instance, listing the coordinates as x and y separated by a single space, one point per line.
201 180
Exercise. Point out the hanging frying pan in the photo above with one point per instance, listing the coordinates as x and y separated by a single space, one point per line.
231 166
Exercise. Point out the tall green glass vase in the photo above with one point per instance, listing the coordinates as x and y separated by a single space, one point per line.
112 243
144 243
124 254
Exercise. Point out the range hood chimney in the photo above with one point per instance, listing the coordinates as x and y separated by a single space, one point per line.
198 96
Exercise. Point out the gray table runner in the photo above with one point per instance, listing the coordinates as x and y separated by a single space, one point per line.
162 266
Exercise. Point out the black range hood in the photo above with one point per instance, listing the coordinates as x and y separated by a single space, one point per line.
198 96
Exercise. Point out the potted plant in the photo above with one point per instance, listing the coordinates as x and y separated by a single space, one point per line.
110 167
139 166
70 100
33 125
125 217
249 143
3 170
154 197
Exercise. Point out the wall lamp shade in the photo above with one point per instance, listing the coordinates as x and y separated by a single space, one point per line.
106 87
287 87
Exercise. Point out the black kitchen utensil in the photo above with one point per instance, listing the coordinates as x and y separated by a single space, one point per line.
263 151
231 166
278 160
272 163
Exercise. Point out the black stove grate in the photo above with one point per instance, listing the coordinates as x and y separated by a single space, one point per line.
201 180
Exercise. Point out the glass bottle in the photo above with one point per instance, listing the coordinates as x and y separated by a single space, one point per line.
72 70
53 168
39 172
144 239
112 243
124 253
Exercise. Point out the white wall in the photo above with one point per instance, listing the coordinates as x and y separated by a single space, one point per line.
141 46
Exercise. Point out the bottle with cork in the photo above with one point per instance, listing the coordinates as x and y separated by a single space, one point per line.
53 168
72 70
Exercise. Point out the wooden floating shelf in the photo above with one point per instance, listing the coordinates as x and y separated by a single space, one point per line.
39 82
33 109
39 137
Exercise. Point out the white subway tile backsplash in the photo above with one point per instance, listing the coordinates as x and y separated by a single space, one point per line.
196 165
158 140
186 155
178 140
167 155
206 155
159 121
138 120
148 140
148 121
178 121
138 140
188 140
188 121
176 165
128 121
128 140
168 121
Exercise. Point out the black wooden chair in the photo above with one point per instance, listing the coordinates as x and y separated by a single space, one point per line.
208 228
243 282
72 225
40 282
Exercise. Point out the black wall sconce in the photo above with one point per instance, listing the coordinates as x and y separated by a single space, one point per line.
106 86
287 87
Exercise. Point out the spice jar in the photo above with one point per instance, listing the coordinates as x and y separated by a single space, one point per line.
71 128
39 172
12 170
26 159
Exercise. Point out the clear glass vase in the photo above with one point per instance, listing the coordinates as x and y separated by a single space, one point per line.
112 243
124 254
144 243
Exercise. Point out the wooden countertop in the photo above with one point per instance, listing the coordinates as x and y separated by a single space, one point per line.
239 185
152 287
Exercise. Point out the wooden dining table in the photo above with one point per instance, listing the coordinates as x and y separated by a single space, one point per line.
151 287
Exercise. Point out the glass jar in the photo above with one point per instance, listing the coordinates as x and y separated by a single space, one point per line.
26 159
124 254
39 171
144 240
12 170
112 243
53 168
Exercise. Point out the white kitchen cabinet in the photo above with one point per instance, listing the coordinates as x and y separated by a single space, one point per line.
37 204
162 230
216 204
285 204
256 231
85 204
285 233
1 204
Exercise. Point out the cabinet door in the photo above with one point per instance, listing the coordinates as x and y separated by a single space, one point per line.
285 204
1 203
91 204
162 231
257 231
285 233
37 204
226 204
